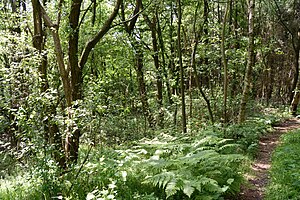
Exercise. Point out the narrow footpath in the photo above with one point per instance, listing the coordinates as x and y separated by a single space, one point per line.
258 178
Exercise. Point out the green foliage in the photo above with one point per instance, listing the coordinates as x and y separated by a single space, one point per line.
164 167
184 168
207 163
247 134
285 170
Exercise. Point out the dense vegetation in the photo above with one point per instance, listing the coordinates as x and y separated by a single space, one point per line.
141 99
206 164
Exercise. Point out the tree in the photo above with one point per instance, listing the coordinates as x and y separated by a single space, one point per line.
152 24
224 61
51 130
72 76
250 63
182 85
289 19
135 41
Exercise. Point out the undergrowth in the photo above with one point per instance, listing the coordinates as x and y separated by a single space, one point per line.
204 167
206 163
285 170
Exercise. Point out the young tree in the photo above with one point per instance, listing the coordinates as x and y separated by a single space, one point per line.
250 62
51 130
196 39
182 85
224 61
152 24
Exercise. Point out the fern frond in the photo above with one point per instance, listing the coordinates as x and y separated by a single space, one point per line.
171 188
188 189
161 179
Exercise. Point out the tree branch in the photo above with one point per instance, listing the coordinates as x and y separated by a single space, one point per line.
46 18
130 19
84 14
59 53
280 19
105 28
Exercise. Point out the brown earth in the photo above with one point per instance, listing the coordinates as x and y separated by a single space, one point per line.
258 178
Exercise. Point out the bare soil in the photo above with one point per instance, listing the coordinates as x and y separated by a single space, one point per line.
258 178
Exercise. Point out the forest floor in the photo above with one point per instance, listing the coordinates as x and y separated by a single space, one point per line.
258 178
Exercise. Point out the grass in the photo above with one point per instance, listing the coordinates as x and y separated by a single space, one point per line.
285 170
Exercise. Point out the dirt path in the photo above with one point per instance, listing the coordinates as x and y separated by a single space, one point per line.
259 177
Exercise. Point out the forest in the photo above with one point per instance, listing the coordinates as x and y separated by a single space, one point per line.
149 99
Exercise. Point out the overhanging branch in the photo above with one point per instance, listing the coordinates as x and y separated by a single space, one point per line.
105 28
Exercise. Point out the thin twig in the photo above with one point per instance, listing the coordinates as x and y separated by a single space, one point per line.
81 166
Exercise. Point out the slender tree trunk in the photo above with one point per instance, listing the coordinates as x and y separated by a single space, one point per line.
224 61
142 87
250 63
139 61
190 91
207 101
296 74
193 56
182 85
296 97
173 69
162 48
159 82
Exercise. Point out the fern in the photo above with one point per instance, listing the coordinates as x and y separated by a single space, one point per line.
171 188
188 167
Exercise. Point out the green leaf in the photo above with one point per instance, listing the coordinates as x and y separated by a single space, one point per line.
171 188
188 189
230 181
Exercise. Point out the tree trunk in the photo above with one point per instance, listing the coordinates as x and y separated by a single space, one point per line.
162 48
250 63
224 61
296 74
211 116
142 87
173 69
159 83
193 56
139 62
296 98
51 135
72 76
295 102
73 134
182 85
